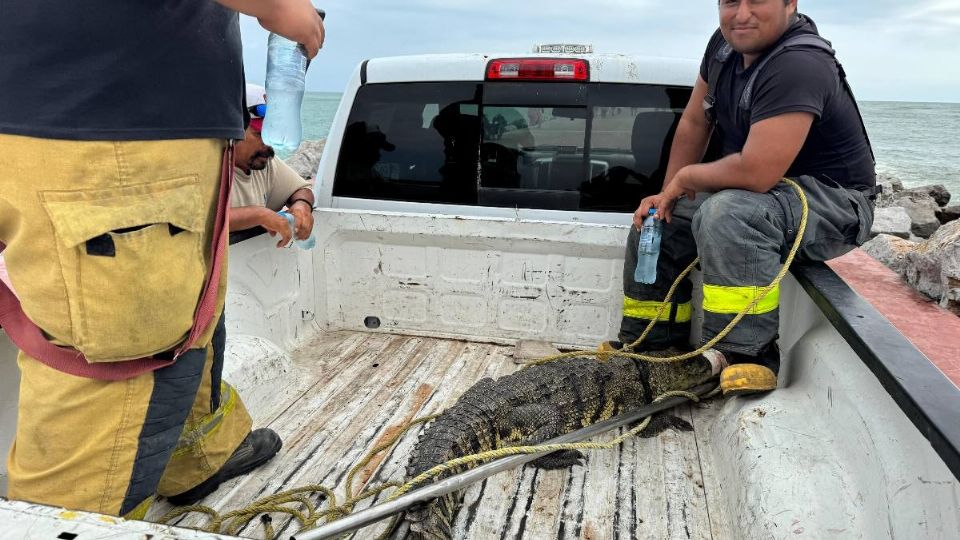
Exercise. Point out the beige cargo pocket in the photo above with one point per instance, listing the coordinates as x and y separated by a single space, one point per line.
132 261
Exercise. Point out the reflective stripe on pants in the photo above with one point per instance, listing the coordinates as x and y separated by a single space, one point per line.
733 300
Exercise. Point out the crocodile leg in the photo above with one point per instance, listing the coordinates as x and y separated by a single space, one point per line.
662 422
543 422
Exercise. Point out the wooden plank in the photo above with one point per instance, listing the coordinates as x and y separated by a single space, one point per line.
599 493
626 520
544 505
705 416
643 475
686 503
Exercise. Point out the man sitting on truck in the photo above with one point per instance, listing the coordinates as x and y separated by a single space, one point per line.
263 184
776 99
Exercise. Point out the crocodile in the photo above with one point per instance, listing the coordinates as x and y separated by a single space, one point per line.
537 404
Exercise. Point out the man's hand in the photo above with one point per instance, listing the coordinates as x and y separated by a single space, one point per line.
303 219
665 200
277 224
663 205
296 20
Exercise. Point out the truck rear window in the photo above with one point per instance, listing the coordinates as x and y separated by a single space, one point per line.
590 147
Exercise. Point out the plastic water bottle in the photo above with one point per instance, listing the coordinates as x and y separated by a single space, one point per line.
286 70
649 250
311 240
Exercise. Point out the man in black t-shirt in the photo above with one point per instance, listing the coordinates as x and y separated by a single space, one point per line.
776 100
111 220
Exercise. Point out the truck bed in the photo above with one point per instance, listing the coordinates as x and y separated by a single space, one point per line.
345 392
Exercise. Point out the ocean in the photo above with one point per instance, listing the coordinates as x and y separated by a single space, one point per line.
919 143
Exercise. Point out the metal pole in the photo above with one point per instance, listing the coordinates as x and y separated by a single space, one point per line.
465 479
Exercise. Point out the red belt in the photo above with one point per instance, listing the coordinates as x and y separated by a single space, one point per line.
30 339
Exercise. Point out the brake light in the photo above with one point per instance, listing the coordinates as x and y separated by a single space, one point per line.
538 69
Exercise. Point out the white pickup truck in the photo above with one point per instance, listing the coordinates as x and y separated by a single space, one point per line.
466 202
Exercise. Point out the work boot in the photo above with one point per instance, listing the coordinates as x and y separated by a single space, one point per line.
259 446
751 374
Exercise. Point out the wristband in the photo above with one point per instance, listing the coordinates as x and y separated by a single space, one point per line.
295 201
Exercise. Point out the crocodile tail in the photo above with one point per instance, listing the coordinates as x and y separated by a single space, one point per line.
462 429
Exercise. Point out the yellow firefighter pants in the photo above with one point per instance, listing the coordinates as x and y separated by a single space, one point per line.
107 248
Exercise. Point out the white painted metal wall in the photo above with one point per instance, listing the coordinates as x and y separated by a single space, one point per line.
470 278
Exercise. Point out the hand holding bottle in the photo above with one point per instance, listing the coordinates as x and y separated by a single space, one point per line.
276 224
308 243
648 251
659 203
298 21
287 66
303 219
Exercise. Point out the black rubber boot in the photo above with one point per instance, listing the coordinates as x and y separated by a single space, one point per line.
258 448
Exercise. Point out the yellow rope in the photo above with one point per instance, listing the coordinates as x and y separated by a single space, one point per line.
232 522
237 519
386 445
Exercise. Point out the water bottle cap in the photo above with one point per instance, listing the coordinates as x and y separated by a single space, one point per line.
652 212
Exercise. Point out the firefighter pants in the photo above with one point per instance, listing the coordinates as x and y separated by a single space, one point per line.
107 247
742 239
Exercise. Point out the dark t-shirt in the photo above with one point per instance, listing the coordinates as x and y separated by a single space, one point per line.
797 80
120 69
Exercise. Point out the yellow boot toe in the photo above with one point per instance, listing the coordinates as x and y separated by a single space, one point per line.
743 379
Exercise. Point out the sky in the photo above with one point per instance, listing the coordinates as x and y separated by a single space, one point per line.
892 50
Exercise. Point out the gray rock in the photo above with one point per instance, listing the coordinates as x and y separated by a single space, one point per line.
933 267
890 250
939 194
892 221
891 186
948 214
920 204
306 158
896 198
923 216
890 183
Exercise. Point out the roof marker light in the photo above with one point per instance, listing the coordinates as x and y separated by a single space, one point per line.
538 69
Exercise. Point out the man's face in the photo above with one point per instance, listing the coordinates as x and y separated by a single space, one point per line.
752 26
252 153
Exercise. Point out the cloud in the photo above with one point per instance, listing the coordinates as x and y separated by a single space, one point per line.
892 49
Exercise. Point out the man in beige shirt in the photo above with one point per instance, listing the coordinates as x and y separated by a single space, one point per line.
264 184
